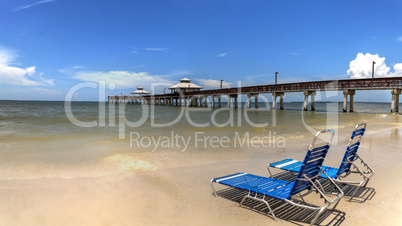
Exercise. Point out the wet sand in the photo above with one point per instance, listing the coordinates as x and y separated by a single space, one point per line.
172 188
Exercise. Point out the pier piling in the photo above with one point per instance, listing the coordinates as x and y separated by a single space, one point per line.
251 95
305 105
234 96
219 100
395 100
351 94
274 95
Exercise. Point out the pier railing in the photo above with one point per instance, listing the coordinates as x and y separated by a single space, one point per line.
348 86
336 85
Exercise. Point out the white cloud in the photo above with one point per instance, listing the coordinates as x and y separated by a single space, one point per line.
78 67
211 83
19 76
361 67
399 39
122 79
224 54
33 4
7 56
398 70
156 49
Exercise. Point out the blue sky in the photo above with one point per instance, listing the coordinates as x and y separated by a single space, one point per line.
48 46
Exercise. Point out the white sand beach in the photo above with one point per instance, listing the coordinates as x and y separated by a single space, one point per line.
172 188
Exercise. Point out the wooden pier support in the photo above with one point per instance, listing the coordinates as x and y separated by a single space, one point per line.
395 100
274 95
312 102
351 93
230 100
250 95
193 101
200 101
305 105
213 100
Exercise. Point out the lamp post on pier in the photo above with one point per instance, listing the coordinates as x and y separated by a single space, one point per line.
276 78
372 74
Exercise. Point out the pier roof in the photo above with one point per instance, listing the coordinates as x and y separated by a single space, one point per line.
140 90
185 83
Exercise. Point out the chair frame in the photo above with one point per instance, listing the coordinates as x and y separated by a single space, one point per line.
316 186
367 174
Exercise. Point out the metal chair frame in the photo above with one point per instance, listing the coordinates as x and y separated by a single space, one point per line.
316 186
367 174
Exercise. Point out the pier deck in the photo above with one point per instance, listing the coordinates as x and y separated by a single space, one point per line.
348 86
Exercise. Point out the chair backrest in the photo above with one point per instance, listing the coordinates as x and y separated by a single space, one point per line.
351 150
311 164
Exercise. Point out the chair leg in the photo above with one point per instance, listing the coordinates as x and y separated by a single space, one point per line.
301 197
269 171
212 186
354 193
365 184
318 214
261 200
244 198
333 208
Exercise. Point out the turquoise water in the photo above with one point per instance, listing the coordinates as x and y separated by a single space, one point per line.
47 120
38 119
37 139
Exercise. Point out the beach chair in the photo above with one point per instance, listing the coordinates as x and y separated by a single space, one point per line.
344 170
259 187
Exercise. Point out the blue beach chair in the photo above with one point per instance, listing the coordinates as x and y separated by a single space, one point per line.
306 181
344 170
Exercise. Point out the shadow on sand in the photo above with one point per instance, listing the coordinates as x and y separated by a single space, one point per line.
282 210
362 195
297 215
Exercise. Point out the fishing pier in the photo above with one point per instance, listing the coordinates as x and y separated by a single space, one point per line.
192 96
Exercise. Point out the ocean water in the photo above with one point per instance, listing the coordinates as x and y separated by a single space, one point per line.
43 139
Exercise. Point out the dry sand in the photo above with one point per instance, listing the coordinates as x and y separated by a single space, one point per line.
143 189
